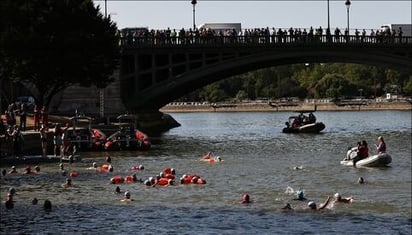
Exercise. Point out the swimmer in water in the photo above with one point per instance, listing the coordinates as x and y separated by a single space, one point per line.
68 183
245 199
13 170
300 196
339 198
312 204
127 197
117 190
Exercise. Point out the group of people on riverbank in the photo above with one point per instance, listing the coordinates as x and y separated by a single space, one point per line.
15 122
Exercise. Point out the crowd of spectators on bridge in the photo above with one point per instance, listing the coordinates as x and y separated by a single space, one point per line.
258 35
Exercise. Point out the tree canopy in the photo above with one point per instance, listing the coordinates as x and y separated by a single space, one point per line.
48 45
335 81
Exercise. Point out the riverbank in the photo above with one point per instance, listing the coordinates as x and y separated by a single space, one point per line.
182 107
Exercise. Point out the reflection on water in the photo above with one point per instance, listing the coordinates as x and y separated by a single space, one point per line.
258 159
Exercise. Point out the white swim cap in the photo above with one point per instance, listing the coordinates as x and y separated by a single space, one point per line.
312 205
94 164
127 194
337 196
12 191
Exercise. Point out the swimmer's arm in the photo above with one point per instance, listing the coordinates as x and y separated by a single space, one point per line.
324 204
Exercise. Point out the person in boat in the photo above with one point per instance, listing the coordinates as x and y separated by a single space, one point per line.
295 123
312 204
381 145
339 198
312 118
363 152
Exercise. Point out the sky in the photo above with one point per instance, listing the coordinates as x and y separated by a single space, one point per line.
157 14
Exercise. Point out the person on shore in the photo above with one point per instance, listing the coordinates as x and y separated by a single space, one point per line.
57 139
44 116
23 116
36 117
65 140
43 139
381 145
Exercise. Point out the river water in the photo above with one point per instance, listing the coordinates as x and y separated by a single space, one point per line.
257 159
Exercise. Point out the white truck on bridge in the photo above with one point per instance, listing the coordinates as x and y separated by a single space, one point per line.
406 29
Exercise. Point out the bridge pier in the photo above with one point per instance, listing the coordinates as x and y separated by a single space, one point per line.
155 122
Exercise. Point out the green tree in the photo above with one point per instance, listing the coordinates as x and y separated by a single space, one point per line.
49 45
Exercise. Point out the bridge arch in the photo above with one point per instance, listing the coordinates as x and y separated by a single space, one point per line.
176 70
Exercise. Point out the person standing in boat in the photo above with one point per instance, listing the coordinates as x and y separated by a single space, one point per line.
363 152
381 145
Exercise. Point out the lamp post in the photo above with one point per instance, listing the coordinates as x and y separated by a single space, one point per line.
328 17
347 4
194 2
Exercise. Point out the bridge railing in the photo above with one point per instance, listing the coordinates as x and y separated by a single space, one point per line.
152 40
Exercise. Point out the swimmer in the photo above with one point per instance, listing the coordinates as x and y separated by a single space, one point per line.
126 197
93 167
245 199
117 190
212 160
339 198
13 170
312 204
3 172
47 205
34 201
109 159
297 167
300 196
287 207
11 191
27 170
209 155
9 202
68 183
138 168
37 169
361 180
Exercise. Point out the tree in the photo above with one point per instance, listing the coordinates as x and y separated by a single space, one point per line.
49 45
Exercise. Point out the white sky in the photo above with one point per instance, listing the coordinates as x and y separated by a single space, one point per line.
157 14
